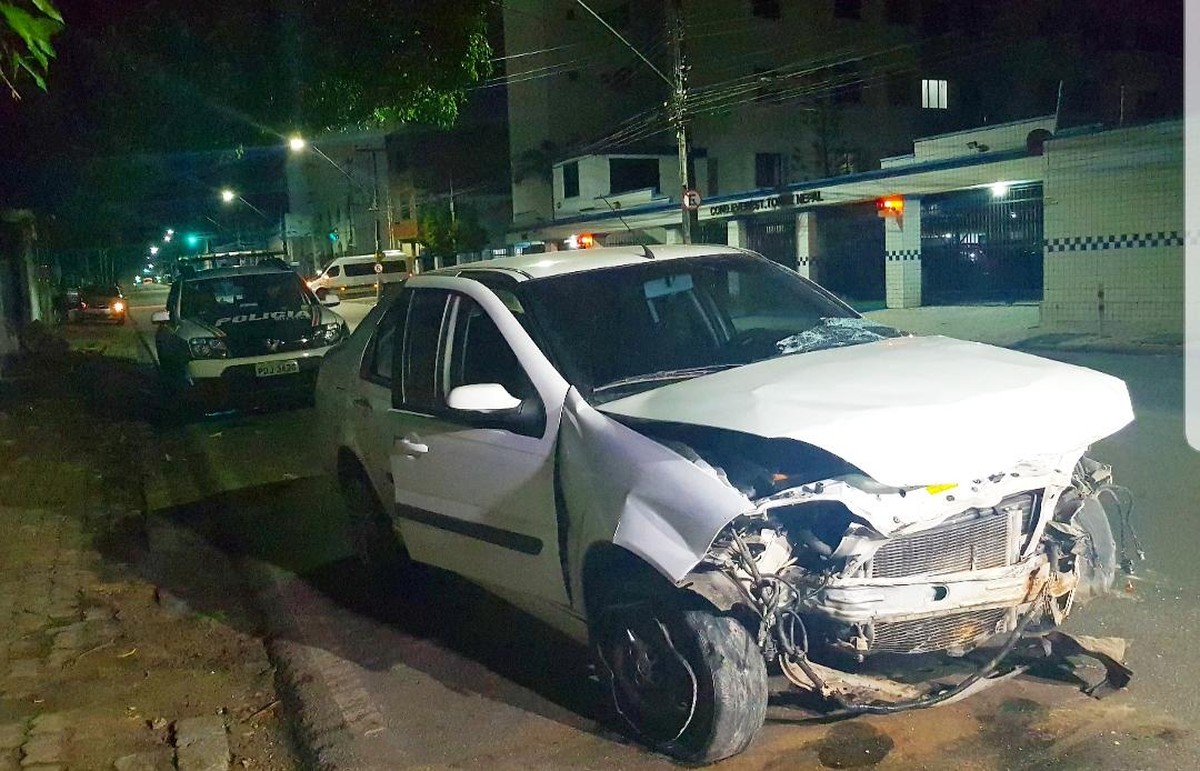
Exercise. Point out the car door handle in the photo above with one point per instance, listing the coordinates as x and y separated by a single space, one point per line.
411 447
361 402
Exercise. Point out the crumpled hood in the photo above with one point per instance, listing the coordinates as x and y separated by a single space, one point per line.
907 411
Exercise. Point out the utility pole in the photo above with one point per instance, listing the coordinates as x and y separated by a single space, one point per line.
679 118
678 102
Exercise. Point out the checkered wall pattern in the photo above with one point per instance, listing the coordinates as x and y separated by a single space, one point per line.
904 255
1123 241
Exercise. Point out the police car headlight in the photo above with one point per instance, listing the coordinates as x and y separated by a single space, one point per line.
208 348
328 334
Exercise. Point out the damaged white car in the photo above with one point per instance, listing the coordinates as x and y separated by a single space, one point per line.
710 468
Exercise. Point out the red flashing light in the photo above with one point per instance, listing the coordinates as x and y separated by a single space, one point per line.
892 206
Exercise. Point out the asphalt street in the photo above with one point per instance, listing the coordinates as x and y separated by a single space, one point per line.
435 673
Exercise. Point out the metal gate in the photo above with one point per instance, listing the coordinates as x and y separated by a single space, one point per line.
712 232
851 256
774 239
982 245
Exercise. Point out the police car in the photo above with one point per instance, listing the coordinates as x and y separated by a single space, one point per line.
249 333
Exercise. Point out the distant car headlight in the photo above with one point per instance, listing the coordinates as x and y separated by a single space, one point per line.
118 306
328 334
208 348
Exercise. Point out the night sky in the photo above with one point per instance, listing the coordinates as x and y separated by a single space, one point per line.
155 105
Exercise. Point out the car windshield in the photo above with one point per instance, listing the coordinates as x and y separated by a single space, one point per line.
616 331
212 298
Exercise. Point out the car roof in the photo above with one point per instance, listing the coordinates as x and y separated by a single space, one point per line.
236 270
546 264
387 255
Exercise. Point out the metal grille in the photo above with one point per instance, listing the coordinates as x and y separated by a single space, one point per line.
977 245
926 635
774 239
975 544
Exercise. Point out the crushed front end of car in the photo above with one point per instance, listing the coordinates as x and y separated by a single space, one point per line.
910 496
842 569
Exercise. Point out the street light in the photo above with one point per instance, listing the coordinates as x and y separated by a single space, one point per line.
229 196
153 250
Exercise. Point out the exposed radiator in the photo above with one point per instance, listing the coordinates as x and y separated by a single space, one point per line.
926 635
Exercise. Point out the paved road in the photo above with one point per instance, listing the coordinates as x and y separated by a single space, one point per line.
436 674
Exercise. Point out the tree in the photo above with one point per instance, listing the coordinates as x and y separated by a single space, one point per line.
446 235
25 50
387 62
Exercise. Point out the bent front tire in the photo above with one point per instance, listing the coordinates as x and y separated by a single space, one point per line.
691 684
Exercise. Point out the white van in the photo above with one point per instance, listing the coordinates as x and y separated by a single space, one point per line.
357 272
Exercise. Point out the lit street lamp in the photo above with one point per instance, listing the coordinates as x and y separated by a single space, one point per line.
229 196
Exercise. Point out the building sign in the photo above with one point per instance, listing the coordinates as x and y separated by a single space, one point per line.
765 204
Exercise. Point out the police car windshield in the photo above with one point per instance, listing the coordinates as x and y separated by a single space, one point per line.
212 298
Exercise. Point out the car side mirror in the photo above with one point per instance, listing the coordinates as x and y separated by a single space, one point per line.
482 397
490 405
331 299
160 317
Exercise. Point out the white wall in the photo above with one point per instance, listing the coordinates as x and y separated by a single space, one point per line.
595 183
1114 223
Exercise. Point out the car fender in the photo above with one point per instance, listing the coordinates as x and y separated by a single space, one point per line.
625 488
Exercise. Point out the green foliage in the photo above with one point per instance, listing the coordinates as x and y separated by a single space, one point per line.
444 236
377 63
25 50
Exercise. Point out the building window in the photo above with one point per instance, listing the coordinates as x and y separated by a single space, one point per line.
571 179
847 9
898 11
768 170
933 94
627 174
765 9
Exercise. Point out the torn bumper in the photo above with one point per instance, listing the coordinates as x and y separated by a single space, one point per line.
859 601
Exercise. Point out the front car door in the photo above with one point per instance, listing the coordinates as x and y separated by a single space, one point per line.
475 494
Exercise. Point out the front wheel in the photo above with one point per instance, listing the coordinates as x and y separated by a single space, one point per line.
691 684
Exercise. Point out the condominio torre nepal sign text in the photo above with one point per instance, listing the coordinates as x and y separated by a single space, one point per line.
761 204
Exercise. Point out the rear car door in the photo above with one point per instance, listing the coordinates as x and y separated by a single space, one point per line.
475 493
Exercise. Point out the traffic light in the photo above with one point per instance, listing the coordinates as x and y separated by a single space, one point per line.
333 235
193 240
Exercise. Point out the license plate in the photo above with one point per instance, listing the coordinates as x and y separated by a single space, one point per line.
269 368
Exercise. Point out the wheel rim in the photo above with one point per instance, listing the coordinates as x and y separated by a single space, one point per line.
654 687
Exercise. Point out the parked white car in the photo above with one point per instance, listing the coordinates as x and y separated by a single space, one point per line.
707 466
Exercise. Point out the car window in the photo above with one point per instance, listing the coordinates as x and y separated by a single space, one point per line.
616 330
419 351
480 354
359 268
173 298
378 364
334 271
255 293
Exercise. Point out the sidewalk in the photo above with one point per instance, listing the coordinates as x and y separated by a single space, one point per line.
1017 326
104 663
